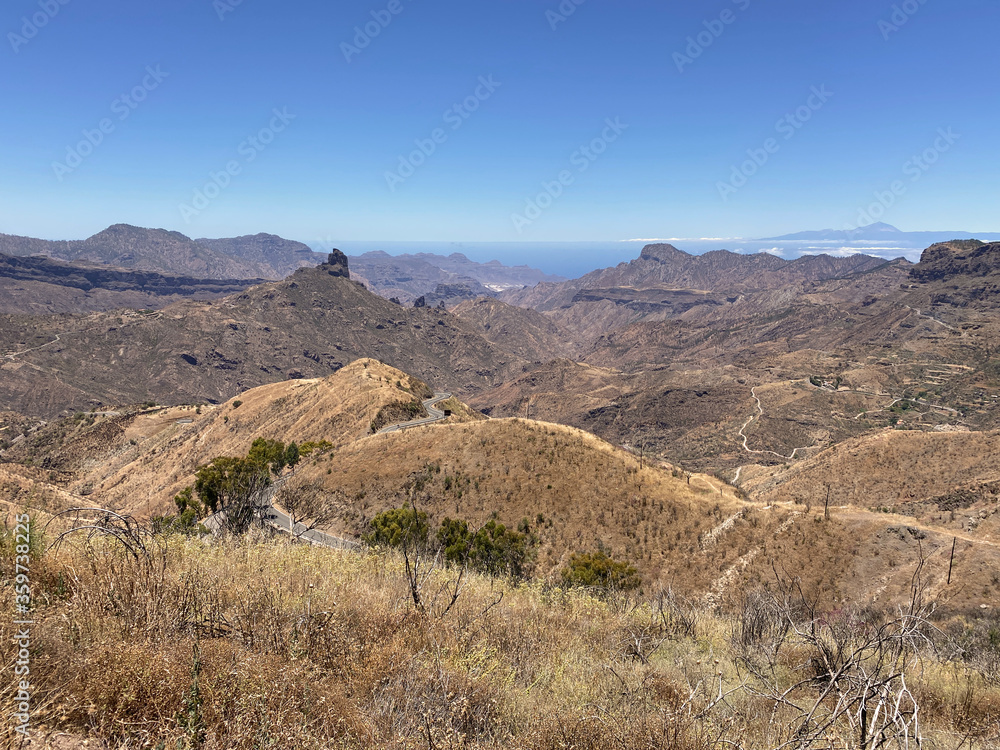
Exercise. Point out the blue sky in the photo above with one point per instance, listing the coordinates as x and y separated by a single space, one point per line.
529 155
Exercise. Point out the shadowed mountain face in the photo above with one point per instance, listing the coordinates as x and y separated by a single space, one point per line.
160 251
968 267
309 325
39 285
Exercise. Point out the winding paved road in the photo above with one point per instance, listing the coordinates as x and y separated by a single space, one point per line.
435 415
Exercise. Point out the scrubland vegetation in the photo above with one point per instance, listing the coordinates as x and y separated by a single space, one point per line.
177 642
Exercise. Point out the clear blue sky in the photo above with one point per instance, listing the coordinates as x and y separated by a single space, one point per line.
324 175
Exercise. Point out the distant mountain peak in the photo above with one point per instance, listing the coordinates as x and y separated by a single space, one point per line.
662 252
880 226
119 230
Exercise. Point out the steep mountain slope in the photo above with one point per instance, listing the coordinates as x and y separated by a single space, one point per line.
267 251
524 332
960 274
664 266
138 461
688 417
38 285
309 325
679 379
665 283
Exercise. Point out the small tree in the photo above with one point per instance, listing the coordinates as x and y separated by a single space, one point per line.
494 549
307 505
189 513
235 486
400 527
292 455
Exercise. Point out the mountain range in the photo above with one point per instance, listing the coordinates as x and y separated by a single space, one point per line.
260 256
122 248
882 232
447 278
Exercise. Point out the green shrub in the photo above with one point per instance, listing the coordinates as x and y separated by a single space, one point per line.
600 570
397 528
494 549
186 521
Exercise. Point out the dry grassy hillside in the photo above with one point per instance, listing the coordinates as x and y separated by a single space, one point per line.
577 492
951 478
689 531
138 461
339 409
586 491
251 644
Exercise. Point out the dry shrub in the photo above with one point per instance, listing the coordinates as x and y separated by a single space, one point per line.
962 702
270 644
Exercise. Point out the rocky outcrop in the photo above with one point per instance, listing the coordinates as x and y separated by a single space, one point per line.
947 260
336 264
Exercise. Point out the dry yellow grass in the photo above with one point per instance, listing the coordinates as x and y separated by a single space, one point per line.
887 468
587 492
144 478
263 644
689 531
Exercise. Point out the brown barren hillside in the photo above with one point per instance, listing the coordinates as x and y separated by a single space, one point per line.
524 332
138 460
949 478
574 491
309 325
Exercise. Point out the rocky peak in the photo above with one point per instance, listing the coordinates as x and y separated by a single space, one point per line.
336 264
662 253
